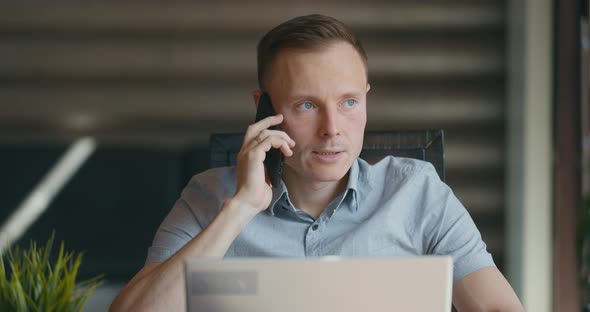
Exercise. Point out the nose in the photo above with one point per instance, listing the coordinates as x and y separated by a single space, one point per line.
329 123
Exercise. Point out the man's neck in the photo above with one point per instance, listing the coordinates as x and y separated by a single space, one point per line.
312 197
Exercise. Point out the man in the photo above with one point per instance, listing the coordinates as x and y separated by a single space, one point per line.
330 202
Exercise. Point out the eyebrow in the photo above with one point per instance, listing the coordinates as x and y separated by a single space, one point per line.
299 97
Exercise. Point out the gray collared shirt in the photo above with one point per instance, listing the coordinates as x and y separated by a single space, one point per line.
397 207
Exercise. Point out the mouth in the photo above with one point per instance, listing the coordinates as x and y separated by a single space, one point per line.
328 157
327 153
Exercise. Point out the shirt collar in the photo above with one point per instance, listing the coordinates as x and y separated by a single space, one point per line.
352 188
279 194
359 182
358 177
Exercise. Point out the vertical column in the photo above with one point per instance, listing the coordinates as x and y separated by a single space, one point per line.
568 154
529 154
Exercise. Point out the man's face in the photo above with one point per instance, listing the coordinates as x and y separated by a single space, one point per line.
322 96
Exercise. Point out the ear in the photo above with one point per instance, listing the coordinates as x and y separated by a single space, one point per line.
256 94
368 87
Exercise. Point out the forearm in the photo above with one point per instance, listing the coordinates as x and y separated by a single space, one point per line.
162 288
485 290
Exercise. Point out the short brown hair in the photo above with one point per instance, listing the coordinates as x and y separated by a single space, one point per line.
308 32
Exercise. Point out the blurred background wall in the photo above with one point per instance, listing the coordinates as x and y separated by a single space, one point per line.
151 80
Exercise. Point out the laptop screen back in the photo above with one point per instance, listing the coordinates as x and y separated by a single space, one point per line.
320 284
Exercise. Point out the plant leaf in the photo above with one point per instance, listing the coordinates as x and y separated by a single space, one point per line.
30 281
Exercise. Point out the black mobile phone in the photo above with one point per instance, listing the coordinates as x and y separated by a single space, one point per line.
274 158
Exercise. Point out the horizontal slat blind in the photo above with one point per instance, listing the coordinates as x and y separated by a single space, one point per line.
174 72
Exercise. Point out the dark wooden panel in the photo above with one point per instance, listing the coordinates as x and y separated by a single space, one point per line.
170 73
228 16
233 58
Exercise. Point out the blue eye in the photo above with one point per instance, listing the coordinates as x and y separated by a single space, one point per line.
350 103
306 105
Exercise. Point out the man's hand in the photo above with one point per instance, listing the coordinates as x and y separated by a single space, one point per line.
160 287
253 190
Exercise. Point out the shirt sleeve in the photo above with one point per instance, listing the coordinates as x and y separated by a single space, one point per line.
195 208
450 230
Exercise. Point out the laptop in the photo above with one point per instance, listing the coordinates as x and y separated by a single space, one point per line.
319 284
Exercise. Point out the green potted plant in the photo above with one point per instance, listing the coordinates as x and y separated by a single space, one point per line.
31 281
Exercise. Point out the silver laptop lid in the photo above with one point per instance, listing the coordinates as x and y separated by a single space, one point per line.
320 284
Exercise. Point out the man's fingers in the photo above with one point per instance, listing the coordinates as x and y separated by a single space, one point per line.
255 129
266 133
256 151
275 142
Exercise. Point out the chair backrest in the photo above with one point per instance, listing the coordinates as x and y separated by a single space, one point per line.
425 145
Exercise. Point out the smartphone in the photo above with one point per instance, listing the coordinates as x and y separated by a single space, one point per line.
273 162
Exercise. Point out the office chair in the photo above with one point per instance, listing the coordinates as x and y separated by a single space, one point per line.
425 145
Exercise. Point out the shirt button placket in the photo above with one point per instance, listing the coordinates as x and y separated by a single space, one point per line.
312 240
